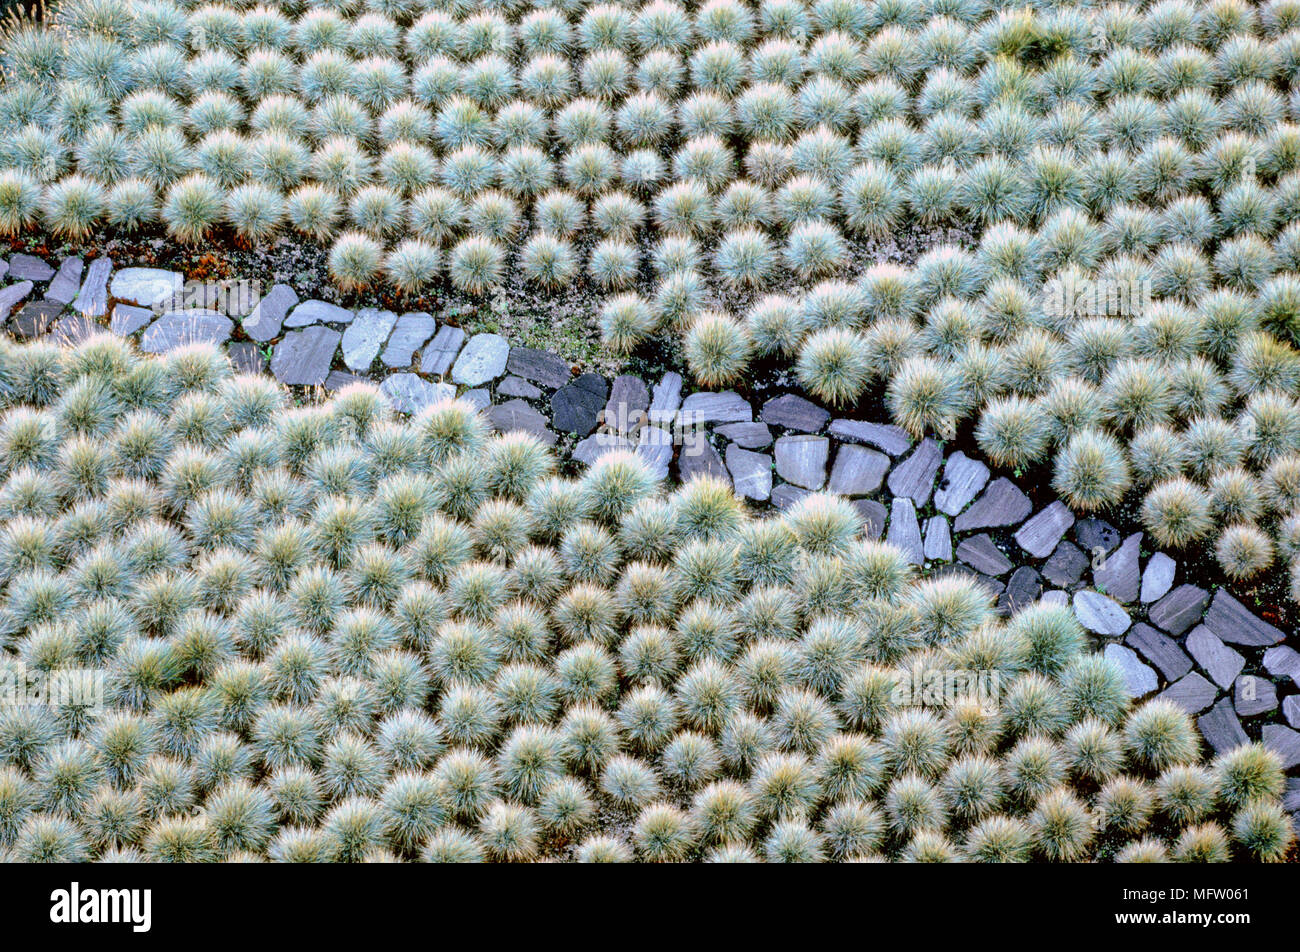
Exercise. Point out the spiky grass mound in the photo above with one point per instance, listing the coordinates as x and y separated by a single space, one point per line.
324 633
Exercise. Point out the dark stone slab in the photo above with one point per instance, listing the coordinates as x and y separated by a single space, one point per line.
794 413
784 496
1160 650
981 554
905 531
874 516
67 280
410 333
1066 565
514 415
1253 695
338 379
1117 574
699 458
25 267
518 387
129 319
12 295
992 586
1002 504
1233 622
92 297
303 358
913 478
749 436
629 401
1220 727
1180 609
1215 658
1283 741
1023 589
1191 692
892 439
961 481
539 366
246 357
576 407
1039 535
35 319
1093 534
72 329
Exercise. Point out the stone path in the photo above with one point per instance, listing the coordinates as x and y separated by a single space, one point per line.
1203 650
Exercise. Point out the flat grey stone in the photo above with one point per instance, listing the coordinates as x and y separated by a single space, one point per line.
938 539
303 358
479 398
1192 693
1160 650
700 409
794 413
1158 577
145 286
1023 589
318 312
67 281
482 360
4 267
962 480
1117 573
784 496
1220 727
72 329
183 328
1066 565
25 267
1040 534
1291 797
666 399
576 407
518 387
267 317
751 473
1179 610
913 478
749 436
802 460
1234 623
1093 534
1139 679
904 531
1001 504
12 295
858 471
338 379
892 439
1291 710
36 318
655 449
128 319
516 415
246 357
1253 695
1100 613
92 297
437 357
1056 597
629 400
363 338
1216 659
410 333
1284 742
539 366
874 515
983 556
408 393
593 447
1283 661
699 458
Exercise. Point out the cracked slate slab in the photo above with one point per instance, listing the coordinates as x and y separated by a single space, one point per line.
1158 577
1093 534
784 496
1066 565
12 295
1179 610
749 436
858 471
481 360
410 332
1192 693
1291 710
700 409
801 460
874 515
1139 679
318 312
145 287
183 328
1160 650
67 281
1216 659
891 439
517 415
1252 695
363 338
1234 623
539 366
1100 614
1001 504
25 267
1118 572
666 399
576 407
938 539
1023 589
303 358
92 296
1039 535
1221 728
128 319
794 413
1283 741
751 473
437 357
409 393
1283 661
698 458
629 399
962 480
266 320
980 553
913 478
905 531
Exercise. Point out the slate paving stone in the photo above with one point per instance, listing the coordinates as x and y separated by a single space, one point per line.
891 439
784 496
874 516
938 539
363 338
72 329
751 473
338 379
539 366
748 436
961 481
629 401
655 449
801 460
913 478
411 332
1291 710
437 357
516 415
1023 589
1160 650
266 320
794 413
479 398
1099 613
698 458
1157 577
410 393
4 267
1221 728
25 267
576 407
701 409
128 319
12 295
67 281
982 555
36 318
1192 693
597 445
303 358
1066 565
1234 623
1253 695
1283 741
145 287
518 387
858 471
1001 504
1283 661
92 296
1291 798
1215 658
666 399
1117 573
1179 610
318 312
1092 534
991 586
246 357
1056 597
481 360
183 328
905 531
1040 535
1139 679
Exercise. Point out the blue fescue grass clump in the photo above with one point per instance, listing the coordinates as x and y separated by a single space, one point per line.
341 635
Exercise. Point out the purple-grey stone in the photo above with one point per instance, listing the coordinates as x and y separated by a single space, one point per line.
1220 727
1234 623
858 471
1117 573
1093 534
26 267
698 458
1219 661
1283 661
438 355
92 298
749 436
1039 535
539 366
1179 610
1066 565
363 338
246 357
576 407
1192 693
784 496
794 413
1160 650
1284 742
1158 577
1253 695
961 481
893 440
410 333
802 460
983 556
938 539
655 449
629 401
518 387
318 312
1291 710
36 318
338 379
593 447
1023 589
1099 613
904 531
481 360
700 409
267 318
128 319
72 329
145 287
303 358
873 514
913 478
66 281
1001 504
516 415
666 399
751 473
182 328
12 295
1138 677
